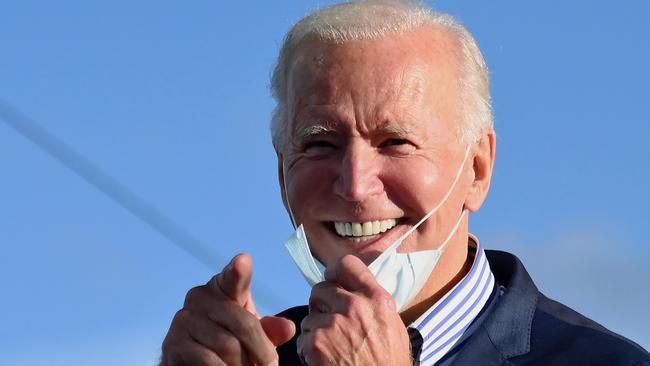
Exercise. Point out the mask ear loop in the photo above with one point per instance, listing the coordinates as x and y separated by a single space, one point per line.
453 231
286 195
317 263
433 210
399 241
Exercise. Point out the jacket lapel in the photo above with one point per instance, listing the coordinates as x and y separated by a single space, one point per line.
505 333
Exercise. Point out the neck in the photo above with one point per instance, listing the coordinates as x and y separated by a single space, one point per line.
450 272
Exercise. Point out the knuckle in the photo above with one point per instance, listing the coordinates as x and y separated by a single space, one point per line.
302 346
316 297
367 277
212 280
355 306
305 343
247 325
336 321
182 317
167 348
215 283
174 339
388 302
346 299
384 299
319 287
229 349
227 346
174 356
313 301
304 324
169 359
193 295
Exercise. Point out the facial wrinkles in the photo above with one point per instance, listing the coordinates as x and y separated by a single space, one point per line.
412 89
335 75
377 100
410 100
353 80
306 89
377 103
326 67
360 93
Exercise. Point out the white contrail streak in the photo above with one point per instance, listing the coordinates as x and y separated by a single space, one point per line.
119 193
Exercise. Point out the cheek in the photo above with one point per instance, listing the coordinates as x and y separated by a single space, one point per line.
413 185
430 177
308 183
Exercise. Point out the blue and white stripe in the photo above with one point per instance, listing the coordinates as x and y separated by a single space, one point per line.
445 322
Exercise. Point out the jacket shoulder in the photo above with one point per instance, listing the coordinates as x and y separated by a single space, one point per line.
528 328
560 335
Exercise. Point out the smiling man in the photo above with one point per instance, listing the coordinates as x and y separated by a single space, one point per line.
384 136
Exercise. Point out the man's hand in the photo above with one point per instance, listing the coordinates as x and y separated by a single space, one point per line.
352 321
218 324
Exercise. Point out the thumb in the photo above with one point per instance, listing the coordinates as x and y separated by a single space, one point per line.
235 280
279 330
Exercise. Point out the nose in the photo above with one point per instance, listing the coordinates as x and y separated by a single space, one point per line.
358 178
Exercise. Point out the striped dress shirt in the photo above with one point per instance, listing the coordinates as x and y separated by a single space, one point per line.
442 326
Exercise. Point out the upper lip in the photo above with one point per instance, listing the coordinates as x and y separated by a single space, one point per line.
366 220
363 217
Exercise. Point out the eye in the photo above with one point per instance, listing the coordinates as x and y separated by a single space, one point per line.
319 148
319 144
401 146
394 142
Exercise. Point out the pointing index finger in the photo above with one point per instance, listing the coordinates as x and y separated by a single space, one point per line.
235 279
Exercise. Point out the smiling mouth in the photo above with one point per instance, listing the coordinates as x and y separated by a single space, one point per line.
362 231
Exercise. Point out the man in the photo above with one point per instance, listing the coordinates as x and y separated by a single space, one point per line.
384 133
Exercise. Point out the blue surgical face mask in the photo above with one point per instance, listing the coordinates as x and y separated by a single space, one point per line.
401 274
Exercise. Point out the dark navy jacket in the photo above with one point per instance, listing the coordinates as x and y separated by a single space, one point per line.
523 328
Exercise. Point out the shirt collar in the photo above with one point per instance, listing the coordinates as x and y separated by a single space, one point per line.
444 323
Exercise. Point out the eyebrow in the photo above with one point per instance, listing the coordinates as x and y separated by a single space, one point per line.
314 130
395 129
323 128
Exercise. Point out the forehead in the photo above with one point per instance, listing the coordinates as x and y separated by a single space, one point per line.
387 78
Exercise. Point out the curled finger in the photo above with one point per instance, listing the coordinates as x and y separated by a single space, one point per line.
329 297
246 328
192 354
220 340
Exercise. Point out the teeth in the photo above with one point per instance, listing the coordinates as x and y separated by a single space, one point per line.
356 240
357 230
360 230
367 228
383 226
376 226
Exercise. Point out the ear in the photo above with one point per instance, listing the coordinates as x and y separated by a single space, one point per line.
483 155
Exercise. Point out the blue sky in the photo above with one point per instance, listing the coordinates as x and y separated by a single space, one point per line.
171 99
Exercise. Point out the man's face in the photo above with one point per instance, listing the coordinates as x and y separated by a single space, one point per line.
374 143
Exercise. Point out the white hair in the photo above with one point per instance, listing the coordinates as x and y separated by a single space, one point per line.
373 19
